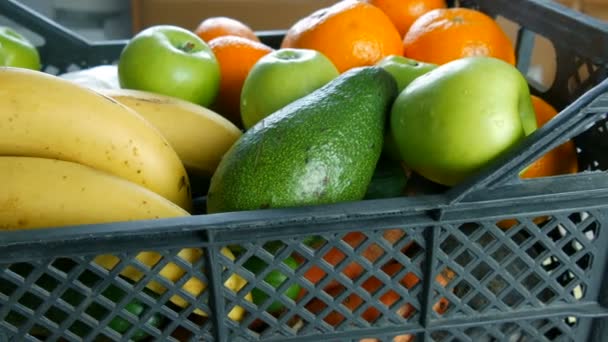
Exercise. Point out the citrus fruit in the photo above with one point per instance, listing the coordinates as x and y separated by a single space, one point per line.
388 297
560 160
443 35
214 27
403 13
236 56
350 33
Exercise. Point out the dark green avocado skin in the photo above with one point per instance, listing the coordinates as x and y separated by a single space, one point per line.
322 148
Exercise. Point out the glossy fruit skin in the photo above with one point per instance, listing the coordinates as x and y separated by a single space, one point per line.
403 13
322 148
456 119
236 56
404 69
213 27
444 35
170 60
561 160
17 51
350 33
199 136
281 77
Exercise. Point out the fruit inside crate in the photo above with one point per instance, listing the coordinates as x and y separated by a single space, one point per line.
494 258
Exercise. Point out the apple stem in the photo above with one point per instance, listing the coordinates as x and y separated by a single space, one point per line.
187 47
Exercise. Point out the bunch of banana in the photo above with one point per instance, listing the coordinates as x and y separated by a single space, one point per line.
199 135
71 156
43 192
48 117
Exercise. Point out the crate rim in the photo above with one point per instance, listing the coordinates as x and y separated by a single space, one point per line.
218 229
214 230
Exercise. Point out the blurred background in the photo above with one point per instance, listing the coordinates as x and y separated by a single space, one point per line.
98 20
93 19
120 19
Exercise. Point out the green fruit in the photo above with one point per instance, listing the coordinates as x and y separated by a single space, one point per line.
390 149
389 181
275 278
281 77
17 51
170 60
459 117
322 148
404 70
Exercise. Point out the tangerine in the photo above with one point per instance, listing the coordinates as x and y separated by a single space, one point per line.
236 56
444 35
562 159
214 27
350 33
403 13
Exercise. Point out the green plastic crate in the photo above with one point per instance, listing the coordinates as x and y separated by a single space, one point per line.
533 282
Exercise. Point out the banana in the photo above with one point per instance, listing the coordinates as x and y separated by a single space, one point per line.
39 193
46 116
199 136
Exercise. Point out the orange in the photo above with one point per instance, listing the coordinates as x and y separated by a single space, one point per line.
214 27
403 13
443 35
350 33
560 160
352 270
236 56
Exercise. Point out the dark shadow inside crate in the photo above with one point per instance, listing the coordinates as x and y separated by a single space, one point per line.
537 330
346 281
529 265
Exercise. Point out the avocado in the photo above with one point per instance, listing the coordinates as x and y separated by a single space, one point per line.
322 148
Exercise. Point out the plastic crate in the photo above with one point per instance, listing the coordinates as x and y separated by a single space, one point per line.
540 280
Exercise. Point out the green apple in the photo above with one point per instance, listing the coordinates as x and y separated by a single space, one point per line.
170 60
404 71
459 117
280 78
17 51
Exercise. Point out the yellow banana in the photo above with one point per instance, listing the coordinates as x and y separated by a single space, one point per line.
41 193
46 116
199 136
